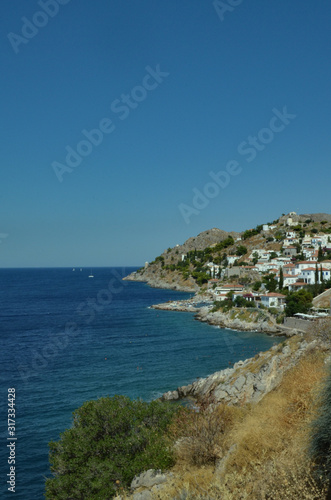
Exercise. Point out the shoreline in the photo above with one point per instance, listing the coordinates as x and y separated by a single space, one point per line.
238 319
248 380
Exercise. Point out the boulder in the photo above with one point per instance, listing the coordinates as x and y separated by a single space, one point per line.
148 479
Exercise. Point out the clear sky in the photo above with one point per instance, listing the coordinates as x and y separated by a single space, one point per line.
177 89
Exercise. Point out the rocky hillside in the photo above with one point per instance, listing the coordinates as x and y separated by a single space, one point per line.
323 300
161 273
206 239
183 267
248 381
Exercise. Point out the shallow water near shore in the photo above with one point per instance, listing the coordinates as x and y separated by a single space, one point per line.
69 338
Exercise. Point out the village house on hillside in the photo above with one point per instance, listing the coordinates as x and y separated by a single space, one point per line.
281 264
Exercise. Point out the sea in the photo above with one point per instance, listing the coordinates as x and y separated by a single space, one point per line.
67 338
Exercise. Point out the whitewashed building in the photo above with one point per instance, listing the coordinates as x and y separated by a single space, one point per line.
273 299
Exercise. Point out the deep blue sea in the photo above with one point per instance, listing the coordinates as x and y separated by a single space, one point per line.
67 338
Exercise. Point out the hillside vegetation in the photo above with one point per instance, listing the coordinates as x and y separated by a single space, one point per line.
185 266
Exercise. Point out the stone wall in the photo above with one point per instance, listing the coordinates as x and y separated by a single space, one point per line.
297 324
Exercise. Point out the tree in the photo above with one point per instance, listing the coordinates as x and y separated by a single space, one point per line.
241 250
321 275
320 254
112 439
281 279
257 285
298 302
255 257
270 282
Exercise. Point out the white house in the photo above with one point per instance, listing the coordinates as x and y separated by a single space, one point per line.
301 264
308 252
290 269
308 274
221 292
232 259
306 242
261 253
298 285
273 299
214 269
290 242
261 266
289 279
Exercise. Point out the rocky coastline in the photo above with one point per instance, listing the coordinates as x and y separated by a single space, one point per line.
248 381
168 282
237 319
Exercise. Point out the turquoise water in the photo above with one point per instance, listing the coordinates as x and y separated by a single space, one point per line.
68 338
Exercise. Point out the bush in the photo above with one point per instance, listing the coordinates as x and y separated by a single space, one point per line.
241 250
298 302
280 319
200 434
112 439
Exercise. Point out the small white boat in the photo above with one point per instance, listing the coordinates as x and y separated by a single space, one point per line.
91 275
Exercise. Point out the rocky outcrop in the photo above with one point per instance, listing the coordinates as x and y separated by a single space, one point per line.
242 319
148 485
156 274
323 300
156 278
206 239
248 381
319 217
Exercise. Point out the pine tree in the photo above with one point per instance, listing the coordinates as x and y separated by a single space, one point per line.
281 279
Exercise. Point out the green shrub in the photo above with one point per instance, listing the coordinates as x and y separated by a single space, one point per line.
298 302
280 319
112 439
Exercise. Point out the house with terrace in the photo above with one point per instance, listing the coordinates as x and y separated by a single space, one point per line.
221 292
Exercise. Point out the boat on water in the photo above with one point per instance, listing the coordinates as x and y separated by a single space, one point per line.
91 274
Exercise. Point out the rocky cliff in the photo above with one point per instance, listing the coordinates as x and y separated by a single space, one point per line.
248 381
244 319
157 276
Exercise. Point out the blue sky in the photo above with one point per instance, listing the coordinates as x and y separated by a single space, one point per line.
221 75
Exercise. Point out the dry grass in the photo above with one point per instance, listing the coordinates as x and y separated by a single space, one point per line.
281 417
269 461
321 330
200 434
